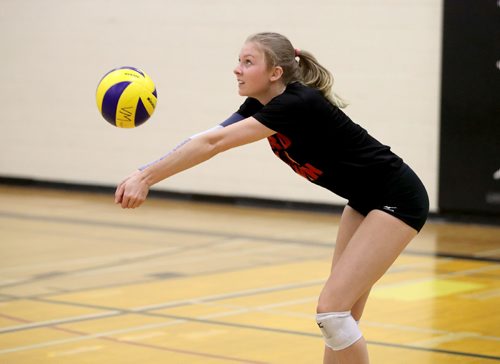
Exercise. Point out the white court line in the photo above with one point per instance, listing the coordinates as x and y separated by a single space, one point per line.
121 331
462 273
424 330
228 295
169 304
488 253
89 337
124 265
91 260
138 310
449 337
202 300
264 308
483 295
446 334
77 351
181 262
34 325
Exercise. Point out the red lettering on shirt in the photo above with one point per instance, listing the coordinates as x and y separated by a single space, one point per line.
308 171
280 144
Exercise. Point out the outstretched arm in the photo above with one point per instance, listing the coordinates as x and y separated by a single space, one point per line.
132 192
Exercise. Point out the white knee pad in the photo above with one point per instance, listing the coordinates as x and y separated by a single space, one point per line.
339 329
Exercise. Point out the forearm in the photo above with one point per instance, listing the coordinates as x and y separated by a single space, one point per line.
179 146
132 191
203 146
189 153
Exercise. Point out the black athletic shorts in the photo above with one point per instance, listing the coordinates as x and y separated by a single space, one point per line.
404 197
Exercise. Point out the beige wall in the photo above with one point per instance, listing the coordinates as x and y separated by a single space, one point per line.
384 54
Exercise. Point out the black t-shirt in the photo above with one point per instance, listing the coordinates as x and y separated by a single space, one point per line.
321 143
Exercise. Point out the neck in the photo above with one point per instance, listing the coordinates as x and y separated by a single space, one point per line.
275 90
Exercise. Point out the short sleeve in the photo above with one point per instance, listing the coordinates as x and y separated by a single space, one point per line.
281 113
249 107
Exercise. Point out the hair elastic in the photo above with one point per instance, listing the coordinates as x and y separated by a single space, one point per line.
297 52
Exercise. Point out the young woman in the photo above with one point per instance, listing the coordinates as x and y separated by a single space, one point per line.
290 102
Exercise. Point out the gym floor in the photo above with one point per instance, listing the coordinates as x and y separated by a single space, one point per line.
83 281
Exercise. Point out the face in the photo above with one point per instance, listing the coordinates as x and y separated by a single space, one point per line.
253 75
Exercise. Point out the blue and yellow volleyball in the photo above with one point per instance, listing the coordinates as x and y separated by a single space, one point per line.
126 97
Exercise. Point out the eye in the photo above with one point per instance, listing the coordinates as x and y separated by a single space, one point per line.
246 62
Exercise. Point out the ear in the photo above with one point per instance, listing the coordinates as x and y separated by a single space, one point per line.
276 73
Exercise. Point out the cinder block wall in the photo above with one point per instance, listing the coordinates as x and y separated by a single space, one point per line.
384 54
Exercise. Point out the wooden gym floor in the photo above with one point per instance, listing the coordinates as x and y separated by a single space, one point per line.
83 281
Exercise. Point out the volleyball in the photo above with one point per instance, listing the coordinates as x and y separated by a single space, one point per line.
126 97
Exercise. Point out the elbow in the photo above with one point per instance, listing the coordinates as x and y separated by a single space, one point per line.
219 148
216 146
207 149
215 142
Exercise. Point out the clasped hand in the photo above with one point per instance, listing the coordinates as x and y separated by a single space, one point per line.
132 191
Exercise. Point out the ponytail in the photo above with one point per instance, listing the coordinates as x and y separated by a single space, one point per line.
314 75
297 65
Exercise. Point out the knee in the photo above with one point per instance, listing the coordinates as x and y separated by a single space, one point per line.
339 329
332 303
323 307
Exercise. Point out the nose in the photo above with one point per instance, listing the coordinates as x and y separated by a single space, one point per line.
237 70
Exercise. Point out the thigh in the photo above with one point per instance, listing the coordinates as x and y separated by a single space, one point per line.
372 249
349 223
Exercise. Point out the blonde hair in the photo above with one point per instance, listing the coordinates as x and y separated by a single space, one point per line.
297 65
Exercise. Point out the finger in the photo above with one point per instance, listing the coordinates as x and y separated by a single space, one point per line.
125 201
119 193
136 202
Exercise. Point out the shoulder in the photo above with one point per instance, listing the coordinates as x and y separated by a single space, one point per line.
299 95
287 112
300 92
249 107
299 100
306 92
